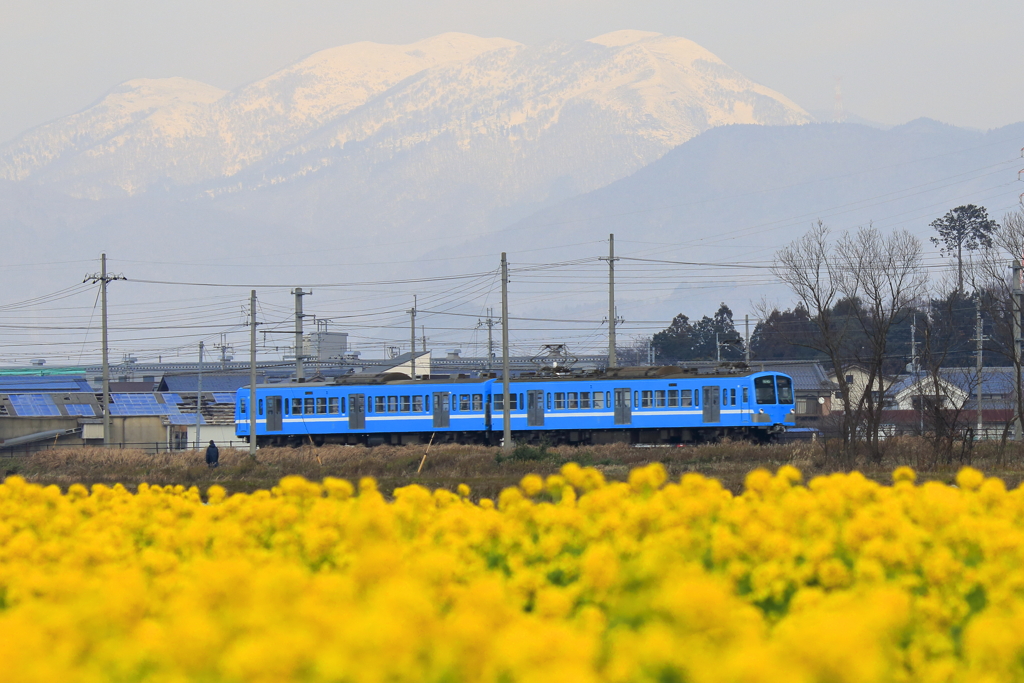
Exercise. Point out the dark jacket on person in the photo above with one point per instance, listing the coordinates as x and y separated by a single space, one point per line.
212 454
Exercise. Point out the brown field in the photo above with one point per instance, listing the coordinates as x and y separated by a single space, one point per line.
487 470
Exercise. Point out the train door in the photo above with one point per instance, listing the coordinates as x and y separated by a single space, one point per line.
623 407
357 411
712 409
535 408
442 409
274 414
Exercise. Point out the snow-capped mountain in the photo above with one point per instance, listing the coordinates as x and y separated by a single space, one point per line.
443 117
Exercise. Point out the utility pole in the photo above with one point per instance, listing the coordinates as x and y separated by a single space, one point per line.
102 278
412 339
299 355
979 338
917 377
612 361
252 374
489 322
1015 308
423 339
506 421
746 344
199 398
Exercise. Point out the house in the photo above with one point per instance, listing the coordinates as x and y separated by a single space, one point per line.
857 378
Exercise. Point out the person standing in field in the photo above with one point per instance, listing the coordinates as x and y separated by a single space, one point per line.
212 455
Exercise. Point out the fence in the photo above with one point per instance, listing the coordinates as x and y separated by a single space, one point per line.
154 447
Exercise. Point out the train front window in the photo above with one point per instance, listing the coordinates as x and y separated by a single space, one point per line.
785 389
764 389
241 406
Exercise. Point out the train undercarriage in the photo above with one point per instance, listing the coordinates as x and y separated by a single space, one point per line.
582 437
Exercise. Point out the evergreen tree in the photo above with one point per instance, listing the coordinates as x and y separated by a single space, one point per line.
964 228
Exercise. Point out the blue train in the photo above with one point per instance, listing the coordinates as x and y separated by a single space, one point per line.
633 405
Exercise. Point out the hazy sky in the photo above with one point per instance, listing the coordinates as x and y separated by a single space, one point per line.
957 62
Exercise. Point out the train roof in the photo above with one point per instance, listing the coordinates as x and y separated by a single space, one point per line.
722 371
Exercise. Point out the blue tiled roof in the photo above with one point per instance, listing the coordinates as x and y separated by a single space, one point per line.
42 385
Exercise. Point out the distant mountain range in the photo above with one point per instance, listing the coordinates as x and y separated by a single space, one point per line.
466 146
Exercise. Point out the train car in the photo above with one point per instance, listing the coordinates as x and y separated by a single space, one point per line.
634 405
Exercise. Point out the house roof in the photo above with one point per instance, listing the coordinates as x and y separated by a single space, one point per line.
50 384
213 381
993 380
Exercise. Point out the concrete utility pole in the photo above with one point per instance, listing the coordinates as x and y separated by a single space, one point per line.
489 322
506 421
979 339
612 360
1015 307
299 355
102 278
252 374
199 398
412 339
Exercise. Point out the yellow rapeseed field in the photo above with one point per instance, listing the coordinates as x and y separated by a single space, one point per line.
569 578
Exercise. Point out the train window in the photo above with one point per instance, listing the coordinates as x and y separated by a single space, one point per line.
343 411
499 402
260 407
405 404
392 404
696 399
296 406
454 402
746 395
659 398
686 398
241 406
636 399
572 400
516 406
585 400
321 406
437 401
464 402
725 397
478 401
309 406
549 401
785 389
333 406
417 404
764 389
673 398
732 396
598 399
369 404
647 400
559 400
380 404
426 403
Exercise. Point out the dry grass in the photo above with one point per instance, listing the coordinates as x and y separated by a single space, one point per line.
487 470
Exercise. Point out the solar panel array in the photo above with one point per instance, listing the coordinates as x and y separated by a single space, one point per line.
83 409
172 398
185 419
33 405
140 404
223 397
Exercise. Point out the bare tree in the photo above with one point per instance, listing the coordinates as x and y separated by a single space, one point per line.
855 291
